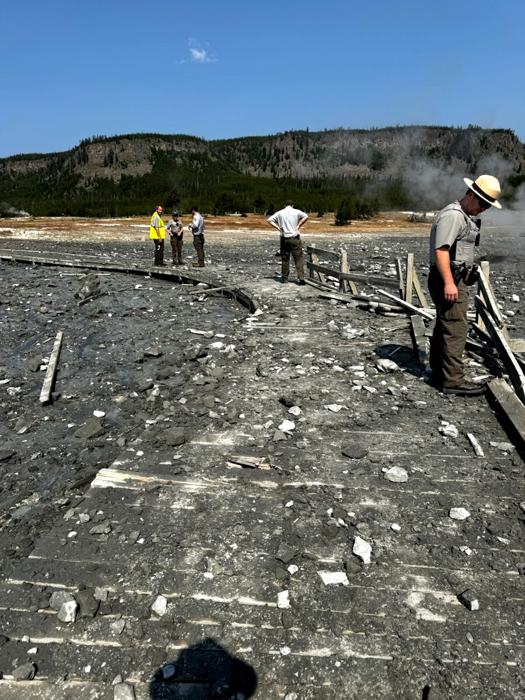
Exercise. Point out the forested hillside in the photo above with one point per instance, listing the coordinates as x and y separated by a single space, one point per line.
388 168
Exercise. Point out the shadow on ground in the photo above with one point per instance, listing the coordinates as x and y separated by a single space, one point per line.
204 671
402 355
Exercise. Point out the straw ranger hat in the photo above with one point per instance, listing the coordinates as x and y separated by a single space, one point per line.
486 187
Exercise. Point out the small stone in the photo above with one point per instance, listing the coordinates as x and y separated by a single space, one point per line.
291 696
283 600
295 411
168 672
6 454
285 553
160 605
287 426
103 528
101 594
92 428
334 407
154 351
395 527
118 626
175 437
469 600
124 691
397 475
293 569
118 679
59 598
88 605
362 549
26 672
458 514
354 451
334 578
470 638
521 569
448 429
99 414
68 611
278 436
285 651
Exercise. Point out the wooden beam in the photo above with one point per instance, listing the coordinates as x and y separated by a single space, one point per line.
319 252
510 405
485 269
49 380
419 290
356 276
516 376
419 340
345 269
490 300
409 307
409 289
400 277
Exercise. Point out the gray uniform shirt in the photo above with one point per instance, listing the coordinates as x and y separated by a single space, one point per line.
452 226
175 227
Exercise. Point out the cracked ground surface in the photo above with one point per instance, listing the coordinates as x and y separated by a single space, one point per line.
175 553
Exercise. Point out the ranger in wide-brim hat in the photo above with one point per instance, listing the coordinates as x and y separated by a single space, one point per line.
454 237
486 187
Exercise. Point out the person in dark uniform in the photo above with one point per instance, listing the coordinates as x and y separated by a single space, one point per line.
176 233
454 236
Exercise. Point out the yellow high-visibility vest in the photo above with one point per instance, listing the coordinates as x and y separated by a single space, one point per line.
153 230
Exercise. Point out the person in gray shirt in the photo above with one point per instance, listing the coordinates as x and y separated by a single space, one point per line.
454 236
176 233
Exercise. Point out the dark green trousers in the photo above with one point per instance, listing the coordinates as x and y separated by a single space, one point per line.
450 333
293 247
198 244
176 248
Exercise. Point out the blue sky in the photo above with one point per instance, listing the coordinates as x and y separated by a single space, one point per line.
221 68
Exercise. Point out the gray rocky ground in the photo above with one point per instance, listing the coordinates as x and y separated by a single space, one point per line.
184 544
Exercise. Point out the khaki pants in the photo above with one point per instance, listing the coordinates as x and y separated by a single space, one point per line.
450 333
198 244
293 247
176 248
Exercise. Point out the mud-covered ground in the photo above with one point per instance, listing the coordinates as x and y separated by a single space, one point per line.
217 540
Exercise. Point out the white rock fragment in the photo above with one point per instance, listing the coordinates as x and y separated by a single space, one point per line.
285 651
334 578
397 475
334 407
503 446
466 550
287 426
295 411
386 365
99 414
362 549
160 605
283 600
68 611
293 569
459 514
288 504
478 450
515 298
395 527
124 691
448 429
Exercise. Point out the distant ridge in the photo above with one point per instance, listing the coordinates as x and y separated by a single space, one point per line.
127 173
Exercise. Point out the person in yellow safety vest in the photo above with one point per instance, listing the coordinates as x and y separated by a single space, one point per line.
157 232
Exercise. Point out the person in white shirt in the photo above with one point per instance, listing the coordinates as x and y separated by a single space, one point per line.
197 229
288 222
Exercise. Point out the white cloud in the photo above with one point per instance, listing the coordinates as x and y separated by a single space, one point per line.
200 53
